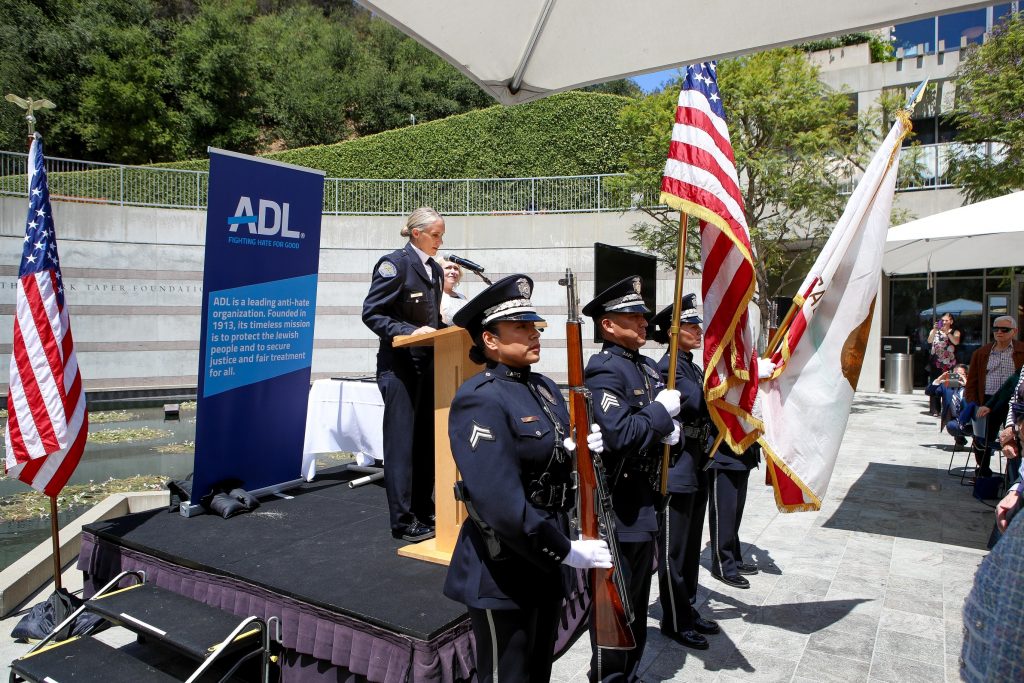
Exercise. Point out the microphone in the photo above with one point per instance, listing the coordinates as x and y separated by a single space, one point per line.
465 263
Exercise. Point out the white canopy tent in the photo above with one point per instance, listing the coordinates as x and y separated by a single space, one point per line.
523 50
988 234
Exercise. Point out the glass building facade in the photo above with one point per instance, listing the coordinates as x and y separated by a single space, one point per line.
972 297
952 30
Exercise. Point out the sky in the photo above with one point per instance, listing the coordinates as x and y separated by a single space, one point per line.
654 81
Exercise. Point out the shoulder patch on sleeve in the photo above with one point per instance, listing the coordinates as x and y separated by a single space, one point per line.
609 400
479 433
387 269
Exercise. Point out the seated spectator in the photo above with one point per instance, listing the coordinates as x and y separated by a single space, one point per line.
956 412
991 366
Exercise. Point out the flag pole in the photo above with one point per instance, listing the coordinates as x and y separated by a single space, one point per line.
54 528
55 537
780 333
673 337
31 106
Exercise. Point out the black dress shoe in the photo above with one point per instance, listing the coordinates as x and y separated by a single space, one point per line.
734 580
687 638
746 568
416 532
705 626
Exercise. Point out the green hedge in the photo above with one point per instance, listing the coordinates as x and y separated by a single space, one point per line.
572 133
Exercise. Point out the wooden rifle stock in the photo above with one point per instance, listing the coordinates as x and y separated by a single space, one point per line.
612 612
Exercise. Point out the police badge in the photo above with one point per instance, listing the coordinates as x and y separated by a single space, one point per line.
652 372
524 287
636 285
546 393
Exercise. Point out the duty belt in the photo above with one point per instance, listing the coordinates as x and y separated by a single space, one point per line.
694 431
550 496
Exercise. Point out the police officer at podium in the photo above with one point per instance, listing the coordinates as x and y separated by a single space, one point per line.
682 522
404 299
509 429
635 413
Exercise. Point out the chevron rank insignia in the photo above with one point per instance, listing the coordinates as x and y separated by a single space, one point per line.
479 433
609 401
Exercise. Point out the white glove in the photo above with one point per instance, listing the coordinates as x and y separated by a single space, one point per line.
673 438
765 368
589 555
595 440
670 399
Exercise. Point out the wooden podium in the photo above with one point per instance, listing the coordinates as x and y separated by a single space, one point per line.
452 367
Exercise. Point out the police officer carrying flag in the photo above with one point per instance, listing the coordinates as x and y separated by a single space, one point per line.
508 428
404 299
679 542
635 413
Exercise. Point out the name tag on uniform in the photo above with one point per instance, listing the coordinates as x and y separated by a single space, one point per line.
530 418
415 295
638 392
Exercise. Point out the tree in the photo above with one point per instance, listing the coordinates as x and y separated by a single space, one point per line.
307 92
45 50
794 140
623 87
990 110
127 112
215 72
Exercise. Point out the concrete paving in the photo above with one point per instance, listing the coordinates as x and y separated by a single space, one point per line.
870 588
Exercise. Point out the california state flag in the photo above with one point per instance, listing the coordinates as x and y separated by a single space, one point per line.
806 402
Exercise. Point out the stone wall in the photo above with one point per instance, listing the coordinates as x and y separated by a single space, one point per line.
134 283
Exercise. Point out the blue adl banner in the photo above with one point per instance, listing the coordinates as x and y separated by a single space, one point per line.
259 304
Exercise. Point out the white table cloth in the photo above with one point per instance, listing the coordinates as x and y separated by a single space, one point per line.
343 415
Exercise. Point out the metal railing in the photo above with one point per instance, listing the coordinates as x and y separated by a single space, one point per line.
99 183
93 182
927 167
921 167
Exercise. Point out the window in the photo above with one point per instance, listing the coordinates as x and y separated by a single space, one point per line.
914 33
969 26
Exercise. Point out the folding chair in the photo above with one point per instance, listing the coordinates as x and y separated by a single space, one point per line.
979 446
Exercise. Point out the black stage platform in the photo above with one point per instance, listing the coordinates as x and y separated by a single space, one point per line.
323 562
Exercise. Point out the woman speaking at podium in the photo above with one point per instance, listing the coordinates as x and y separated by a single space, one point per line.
508 428
404 299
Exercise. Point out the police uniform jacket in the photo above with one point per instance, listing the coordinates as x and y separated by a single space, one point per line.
504 443
623 384
686 474
401 300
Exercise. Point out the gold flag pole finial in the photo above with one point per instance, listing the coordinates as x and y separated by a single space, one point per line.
30 106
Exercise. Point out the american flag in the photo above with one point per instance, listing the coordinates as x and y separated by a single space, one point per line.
47 423
700 179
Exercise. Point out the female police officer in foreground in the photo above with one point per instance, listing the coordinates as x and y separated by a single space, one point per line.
508 429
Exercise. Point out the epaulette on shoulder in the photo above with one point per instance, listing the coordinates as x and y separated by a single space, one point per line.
479 379
599 359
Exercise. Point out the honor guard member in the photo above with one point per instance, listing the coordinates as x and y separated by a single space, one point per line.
508 428
635 413
404 299
682 523
727 494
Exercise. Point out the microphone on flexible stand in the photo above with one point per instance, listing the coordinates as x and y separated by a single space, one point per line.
468 265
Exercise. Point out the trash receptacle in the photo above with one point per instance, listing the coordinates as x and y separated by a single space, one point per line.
899 373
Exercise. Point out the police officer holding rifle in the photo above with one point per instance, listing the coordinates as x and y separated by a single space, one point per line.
636 414
509 432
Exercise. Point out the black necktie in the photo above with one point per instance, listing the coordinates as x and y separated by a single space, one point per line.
430 268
